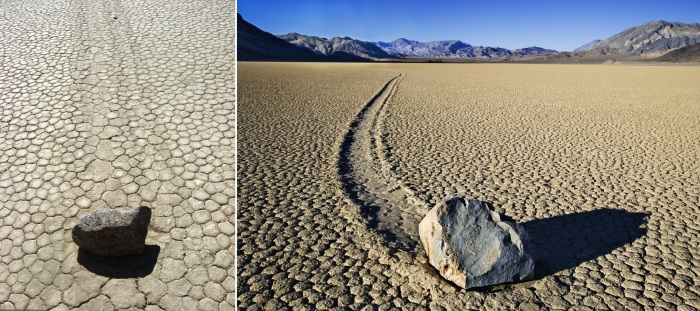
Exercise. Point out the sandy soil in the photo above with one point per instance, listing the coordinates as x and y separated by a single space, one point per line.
338 163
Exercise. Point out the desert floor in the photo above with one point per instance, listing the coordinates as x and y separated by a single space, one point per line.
116 104
339 162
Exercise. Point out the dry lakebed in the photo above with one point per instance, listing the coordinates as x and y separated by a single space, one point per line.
338 163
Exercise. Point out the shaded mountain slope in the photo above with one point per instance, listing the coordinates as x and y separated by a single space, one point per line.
653 37
257 45
690 53
336 45
588 46
533 50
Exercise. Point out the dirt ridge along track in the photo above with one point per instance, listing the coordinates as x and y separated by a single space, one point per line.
389 207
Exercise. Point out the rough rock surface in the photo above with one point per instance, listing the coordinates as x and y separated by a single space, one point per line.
470 245
112 233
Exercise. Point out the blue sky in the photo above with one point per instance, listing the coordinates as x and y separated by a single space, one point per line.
560 25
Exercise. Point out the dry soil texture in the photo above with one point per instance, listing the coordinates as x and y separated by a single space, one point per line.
115 104
339 162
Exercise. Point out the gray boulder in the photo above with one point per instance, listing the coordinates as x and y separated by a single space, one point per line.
471 246
111 233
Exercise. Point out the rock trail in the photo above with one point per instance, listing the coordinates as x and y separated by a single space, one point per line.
389 206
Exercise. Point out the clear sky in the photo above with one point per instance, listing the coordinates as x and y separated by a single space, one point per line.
561 25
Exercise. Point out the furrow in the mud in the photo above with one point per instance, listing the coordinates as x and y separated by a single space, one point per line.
418 208
390 208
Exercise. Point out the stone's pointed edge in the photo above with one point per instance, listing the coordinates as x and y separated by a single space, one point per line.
470 245
112 233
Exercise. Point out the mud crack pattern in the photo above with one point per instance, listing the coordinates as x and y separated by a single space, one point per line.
597 163
114 104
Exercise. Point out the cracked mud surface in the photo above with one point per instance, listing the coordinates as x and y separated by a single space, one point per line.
115 104
598 163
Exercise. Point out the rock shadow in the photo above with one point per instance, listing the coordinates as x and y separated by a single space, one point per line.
566 241
132 266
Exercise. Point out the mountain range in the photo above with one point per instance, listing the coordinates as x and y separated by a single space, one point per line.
404 48
652 39
451 49
255 44
332 46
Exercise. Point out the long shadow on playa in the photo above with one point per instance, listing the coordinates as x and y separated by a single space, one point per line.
566 241
134 266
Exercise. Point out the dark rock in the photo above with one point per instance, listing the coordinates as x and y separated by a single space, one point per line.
471 246
112 233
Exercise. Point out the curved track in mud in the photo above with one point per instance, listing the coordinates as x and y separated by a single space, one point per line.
389 207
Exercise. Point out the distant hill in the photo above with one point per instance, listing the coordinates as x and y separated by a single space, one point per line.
399 46
451 49
257 45
588 46
690 53
336 45
656 37
533 50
